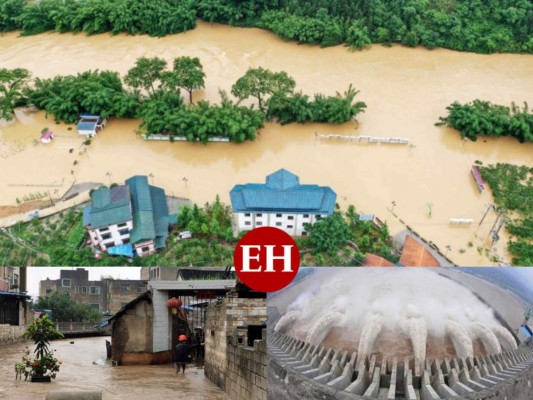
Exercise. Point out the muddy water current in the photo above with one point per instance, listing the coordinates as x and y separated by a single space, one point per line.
406 91
84 368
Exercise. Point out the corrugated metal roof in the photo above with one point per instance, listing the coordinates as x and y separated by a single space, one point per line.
86 126
283 192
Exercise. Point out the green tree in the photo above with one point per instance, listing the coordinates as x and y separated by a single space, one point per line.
64 308
262 83
146 74
12 85
187 74
329 234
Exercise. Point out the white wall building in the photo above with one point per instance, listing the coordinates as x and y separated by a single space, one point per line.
282 202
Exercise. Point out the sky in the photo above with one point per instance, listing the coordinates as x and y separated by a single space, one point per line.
37 274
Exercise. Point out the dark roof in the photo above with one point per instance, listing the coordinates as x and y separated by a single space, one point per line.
283 192
150 217
145 296
18 295
108 207
200 274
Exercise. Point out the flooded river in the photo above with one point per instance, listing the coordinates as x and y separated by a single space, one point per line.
406 90
79 371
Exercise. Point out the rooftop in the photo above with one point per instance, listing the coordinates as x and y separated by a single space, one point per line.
283 192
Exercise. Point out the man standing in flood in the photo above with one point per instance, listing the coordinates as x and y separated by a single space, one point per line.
183 351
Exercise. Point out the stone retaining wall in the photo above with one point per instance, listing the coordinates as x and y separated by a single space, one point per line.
11 334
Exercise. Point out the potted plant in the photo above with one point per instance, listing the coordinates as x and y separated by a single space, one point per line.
44 366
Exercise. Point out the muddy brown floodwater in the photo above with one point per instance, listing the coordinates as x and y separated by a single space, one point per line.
406 91
79 371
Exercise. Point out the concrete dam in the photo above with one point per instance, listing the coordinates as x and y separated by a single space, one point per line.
395 334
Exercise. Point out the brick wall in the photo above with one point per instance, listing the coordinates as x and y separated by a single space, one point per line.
11 334
236 368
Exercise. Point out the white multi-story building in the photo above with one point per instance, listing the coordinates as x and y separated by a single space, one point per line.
282 202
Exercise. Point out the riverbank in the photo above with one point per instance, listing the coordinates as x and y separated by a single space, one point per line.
406 91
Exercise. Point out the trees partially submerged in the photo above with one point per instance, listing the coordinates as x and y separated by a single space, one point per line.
13 84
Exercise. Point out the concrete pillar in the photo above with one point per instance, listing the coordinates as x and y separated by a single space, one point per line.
161 327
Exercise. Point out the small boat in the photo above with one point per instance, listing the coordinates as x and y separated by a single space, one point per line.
477 177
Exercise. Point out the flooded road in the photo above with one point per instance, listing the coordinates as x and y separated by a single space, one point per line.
406 91
79 372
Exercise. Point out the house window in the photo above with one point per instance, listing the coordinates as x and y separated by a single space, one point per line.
125 289
124 224
65 282
140 289
84 289
278 223
290 217
94 290
278 215
145 249
259 215
289 226
106 236
124 232
48 290
95 305
318 216
259 223
247 223
247 214
126 241
76 289
104 229
306 216
304 233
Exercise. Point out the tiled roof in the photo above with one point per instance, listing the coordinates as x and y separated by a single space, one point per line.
283 192
108 207
150 219
414 254
372 260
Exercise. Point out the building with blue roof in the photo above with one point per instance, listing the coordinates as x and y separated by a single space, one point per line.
281 202
128 220
90 124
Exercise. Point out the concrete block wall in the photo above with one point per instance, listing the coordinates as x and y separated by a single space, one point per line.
246 371
10 334
236 368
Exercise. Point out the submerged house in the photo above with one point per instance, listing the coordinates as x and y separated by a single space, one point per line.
130 219
282 202
90 124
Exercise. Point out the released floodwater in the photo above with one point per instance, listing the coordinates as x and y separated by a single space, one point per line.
406 91
84 368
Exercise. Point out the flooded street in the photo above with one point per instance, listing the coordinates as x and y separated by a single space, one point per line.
79 372
406 91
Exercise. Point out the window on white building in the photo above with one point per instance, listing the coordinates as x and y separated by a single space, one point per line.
247 214
106 236
145 249
259 215
123 232
94 290
318 216
290 217
247 223
306 216
278 223
122 225
304 233
259 223
103 229
65 282
289 226
278 215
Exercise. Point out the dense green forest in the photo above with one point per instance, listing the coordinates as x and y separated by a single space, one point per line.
481 26
151 91
486 119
